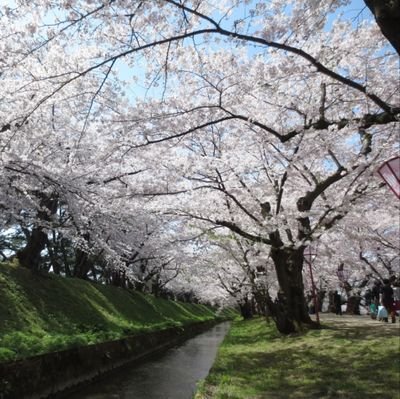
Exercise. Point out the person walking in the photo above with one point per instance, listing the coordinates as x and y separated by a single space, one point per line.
375 293
387 300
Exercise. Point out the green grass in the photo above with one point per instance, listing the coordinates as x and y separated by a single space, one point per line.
44 313
337 362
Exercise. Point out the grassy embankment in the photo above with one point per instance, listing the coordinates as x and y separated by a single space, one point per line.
40 314
341 361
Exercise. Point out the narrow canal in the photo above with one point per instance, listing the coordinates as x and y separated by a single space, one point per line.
172 375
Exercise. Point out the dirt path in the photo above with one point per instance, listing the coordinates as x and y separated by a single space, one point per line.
356 324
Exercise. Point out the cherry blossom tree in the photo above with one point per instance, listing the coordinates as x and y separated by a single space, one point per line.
243 269
365 250
264 119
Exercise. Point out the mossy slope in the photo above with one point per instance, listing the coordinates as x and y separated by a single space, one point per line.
45 313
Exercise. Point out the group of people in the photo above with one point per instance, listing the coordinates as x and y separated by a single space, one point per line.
384 299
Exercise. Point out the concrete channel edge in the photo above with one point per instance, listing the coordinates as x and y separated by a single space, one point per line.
52 375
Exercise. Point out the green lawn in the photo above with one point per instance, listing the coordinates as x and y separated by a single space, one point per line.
339 361
43 313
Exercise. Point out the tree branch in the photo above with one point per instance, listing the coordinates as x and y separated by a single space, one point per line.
236 229
320 67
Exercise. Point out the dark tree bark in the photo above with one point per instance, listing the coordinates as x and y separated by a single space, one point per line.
118 279
55 263
82 265
83 262
387 16
353 305
290 310
331 306
245 309
321 296
29 256
64 245
261 302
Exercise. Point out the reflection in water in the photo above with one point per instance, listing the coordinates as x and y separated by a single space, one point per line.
173 375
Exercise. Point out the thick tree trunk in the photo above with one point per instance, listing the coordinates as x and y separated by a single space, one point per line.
55 263
261 302
353 304
290 309
82 265
321 297
387 16
245 309
64 244
29 256
331 306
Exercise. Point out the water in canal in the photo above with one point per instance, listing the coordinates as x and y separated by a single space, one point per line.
172 375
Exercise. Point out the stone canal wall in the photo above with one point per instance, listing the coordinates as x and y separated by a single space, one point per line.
51 374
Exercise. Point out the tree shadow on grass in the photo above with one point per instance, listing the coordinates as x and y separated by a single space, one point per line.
252 334
338 362
285 374
364 331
